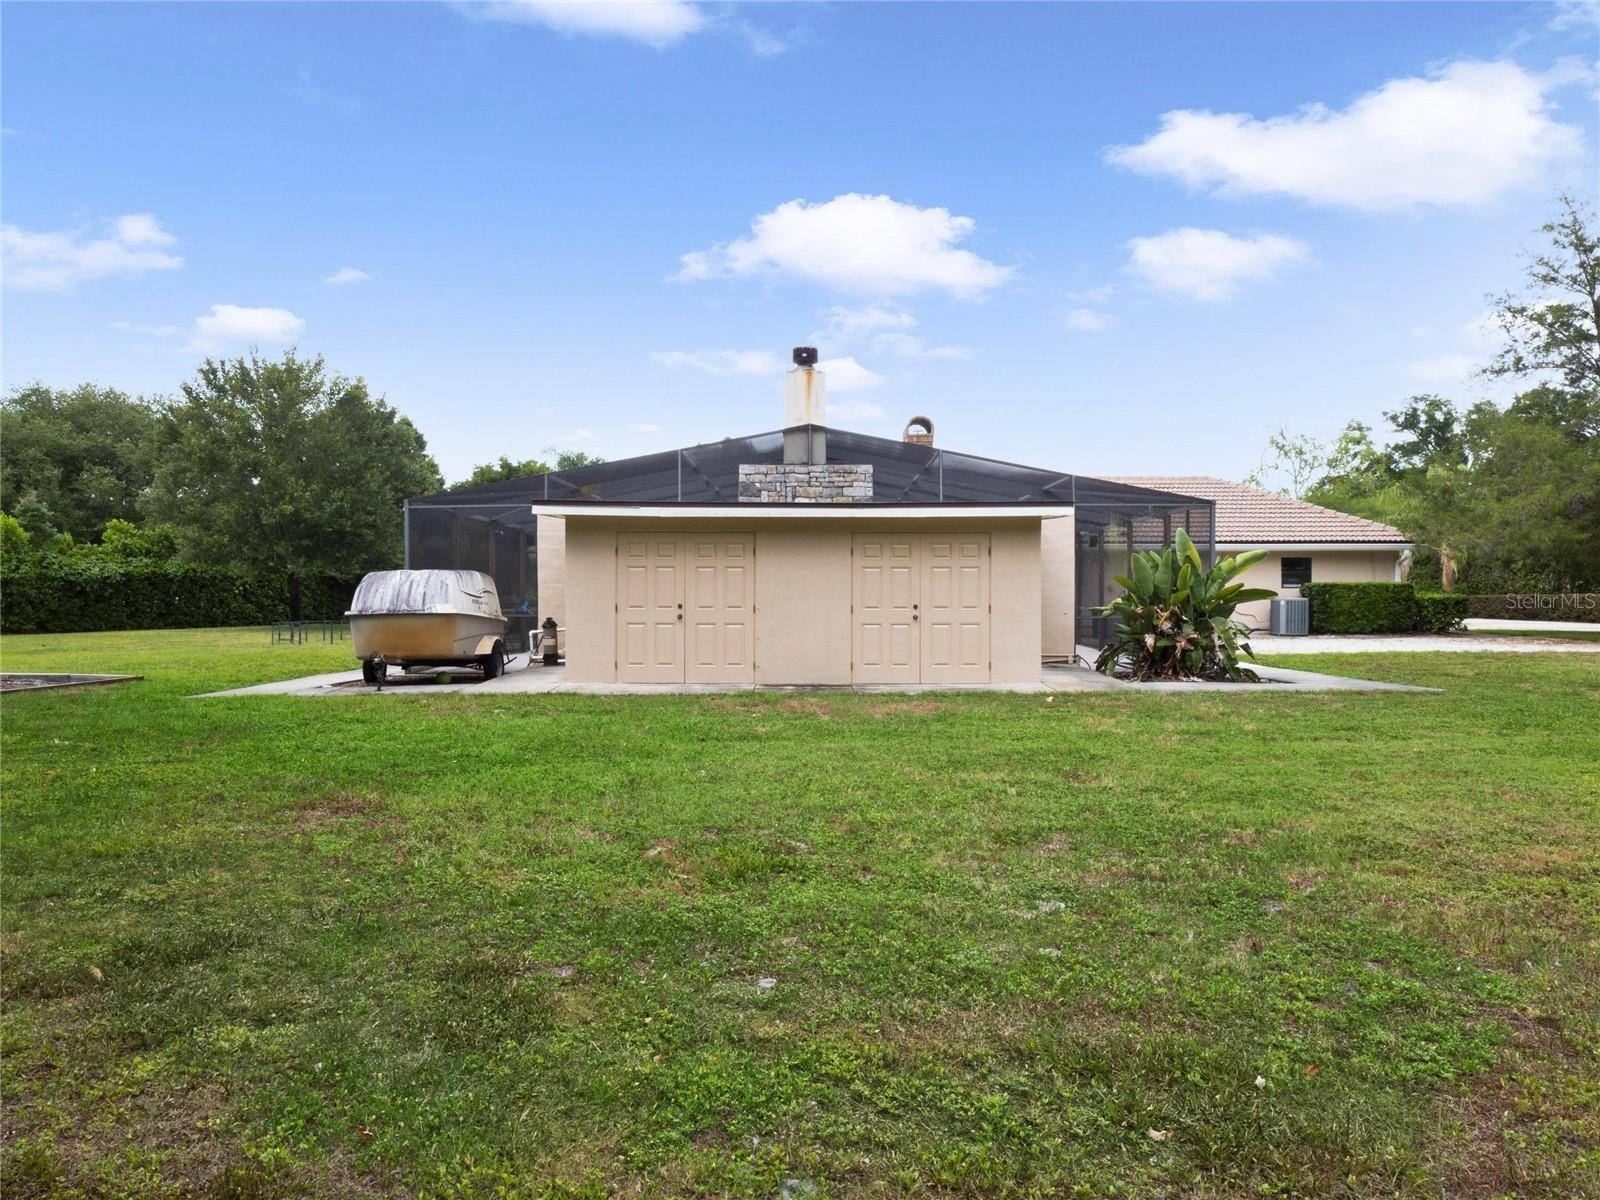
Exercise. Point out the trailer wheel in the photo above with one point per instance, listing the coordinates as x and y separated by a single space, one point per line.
494 662
372 672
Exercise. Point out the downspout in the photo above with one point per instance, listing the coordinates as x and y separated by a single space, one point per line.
405 523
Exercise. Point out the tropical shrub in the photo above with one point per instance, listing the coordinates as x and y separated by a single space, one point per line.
1176 617
1440 612
1361 607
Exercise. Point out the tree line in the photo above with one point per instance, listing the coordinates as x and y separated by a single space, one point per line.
259 464
1498 498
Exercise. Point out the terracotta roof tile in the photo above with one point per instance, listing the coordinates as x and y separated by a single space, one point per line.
1250 515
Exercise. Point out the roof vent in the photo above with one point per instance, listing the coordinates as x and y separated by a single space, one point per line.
918 431
805 356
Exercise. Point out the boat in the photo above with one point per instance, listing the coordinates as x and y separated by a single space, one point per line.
427 619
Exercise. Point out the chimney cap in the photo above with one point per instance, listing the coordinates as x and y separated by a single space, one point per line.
918 431
805 356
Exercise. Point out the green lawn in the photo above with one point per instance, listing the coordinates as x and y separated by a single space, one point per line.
1565 635
1094 945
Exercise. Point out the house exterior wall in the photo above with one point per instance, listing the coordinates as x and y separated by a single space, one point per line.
551 545
1327 566
1058 615
803 581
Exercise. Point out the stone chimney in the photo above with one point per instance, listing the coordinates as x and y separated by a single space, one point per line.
805 476
918 431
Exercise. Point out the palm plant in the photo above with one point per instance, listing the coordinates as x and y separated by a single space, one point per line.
1177 617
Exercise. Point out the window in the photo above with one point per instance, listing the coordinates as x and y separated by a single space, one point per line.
1296 572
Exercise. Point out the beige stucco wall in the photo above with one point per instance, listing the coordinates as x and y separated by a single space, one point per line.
803 606
1327 566
552 557
802 594
1058 545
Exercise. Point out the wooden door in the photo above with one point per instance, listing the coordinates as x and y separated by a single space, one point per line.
720 626
954 599
883 599
650 588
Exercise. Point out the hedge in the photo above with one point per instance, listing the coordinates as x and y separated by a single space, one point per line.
1440 612
80 595
1361 607
1528 606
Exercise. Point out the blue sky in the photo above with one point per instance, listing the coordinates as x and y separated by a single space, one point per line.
1111 239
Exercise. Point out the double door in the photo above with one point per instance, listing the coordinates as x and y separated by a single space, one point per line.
919 608
685 608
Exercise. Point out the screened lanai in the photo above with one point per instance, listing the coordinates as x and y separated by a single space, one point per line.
492 527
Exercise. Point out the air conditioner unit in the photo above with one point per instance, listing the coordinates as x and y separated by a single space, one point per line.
1290 618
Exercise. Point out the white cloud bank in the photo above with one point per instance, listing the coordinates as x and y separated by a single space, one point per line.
871 244
233 325
345 276
1463 136
1207 264
657 23
59 261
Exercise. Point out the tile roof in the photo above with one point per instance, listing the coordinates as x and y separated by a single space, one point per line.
1250 515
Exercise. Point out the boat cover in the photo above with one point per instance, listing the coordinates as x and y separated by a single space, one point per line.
383 592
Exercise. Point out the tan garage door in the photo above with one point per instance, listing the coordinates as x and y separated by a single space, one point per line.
685 608
920 608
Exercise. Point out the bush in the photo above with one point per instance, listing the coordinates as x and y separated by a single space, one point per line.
1361 607
1440 612
87 593
1531 606
1176 618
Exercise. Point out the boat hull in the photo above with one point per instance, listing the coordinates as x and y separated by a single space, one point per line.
425 637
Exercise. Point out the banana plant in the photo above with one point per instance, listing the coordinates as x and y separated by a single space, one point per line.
1176 618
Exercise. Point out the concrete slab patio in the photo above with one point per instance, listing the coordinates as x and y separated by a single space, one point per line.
525 679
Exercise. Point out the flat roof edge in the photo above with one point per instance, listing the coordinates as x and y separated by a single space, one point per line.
869 511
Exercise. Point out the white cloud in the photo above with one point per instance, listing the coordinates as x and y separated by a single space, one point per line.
1582 15
882 330
644 427
657 23
575 437
157 331
847 375
346 275
1463 136
871 244
722 362
231 325
844 373
59 261
1207 264
1088 320
1443 369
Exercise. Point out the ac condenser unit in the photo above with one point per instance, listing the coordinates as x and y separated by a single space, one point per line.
1290 618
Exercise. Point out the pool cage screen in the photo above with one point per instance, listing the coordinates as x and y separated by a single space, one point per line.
491 527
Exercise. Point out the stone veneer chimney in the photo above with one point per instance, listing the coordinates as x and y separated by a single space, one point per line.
805 475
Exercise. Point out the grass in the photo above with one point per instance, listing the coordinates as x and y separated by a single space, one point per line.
1563 635
458 945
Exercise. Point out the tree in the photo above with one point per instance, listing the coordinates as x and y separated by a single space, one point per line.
1296 455
277 465
1555 329
506 468
74 460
